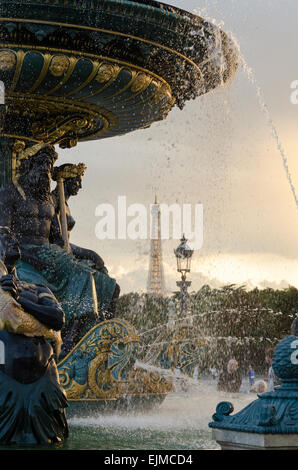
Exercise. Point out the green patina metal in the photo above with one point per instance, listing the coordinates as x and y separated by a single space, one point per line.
182 347
100 361
76 71
273 412
70 281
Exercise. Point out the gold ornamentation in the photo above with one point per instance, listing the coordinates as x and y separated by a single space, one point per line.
31 151
62 129
7 60
96 349
162 92
46 62
145 383
15 320
70 171
99 378
178 348
82 114
89 341
66 121
105 73
140 83
59 65
87 81
75 391
67 75
64 377
20 55
18 147
20 153
49 296
94 58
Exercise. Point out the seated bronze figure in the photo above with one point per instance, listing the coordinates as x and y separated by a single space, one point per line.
32 401
29 209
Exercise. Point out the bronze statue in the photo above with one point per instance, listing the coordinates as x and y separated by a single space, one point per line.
28 208
72 179
29 384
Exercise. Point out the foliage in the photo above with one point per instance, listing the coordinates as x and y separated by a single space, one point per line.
235 322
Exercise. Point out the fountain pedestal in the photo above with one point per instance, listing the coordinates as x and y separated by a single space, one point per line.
271 421
235 440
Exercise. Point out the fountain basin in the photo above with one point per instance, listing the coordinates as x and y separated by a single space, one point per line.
85 70
270 422
234 440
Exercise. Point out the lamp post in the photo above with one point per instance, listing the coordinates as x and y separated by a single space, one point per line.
183 255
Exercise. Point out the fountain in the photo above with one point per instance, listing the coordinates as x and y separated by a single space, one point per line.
270 422
76 71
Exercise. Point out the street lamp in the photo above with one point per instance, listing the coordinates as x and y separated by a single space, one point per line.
183 255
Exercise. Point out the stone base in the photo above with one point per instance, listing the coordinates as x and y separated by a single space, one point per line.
234 440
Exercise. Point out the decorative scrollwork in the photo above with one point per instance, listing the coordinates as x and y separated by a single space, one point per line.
100 380
83 80
143 383
64 378
162 92
182 348
62 129
140 83
75 390
101 361
223 409
105 72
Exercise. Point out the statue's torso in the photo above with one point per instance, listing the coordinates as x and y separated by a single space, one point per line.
31 220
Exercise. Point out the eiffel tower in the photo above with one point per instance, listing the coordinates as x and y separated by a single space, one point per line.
156 283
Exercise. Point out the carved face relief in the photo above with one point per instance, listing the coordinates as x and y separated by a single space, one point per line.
59 65
38 176
105 73
7 61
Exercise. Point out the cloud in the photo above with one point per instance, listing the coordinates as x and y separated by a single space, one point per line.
218 151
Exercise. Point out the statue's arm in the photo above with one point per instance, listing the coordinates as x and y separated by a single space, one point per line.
48 311
56 232
84 253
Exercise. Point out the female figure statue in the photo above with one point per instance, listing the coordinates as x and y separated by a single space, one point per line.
72 178
71 175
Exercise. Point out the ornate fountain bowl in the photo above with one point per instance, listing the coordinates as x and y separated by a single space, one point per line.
84 70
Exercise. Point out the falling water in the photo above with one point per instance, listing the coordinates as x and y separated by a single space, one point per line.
252 79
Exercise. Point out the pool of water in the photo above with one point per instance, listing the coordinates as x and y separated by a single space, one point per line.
180 423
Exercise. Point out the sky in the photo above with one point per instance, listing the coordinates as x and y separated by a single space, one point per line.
218 151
